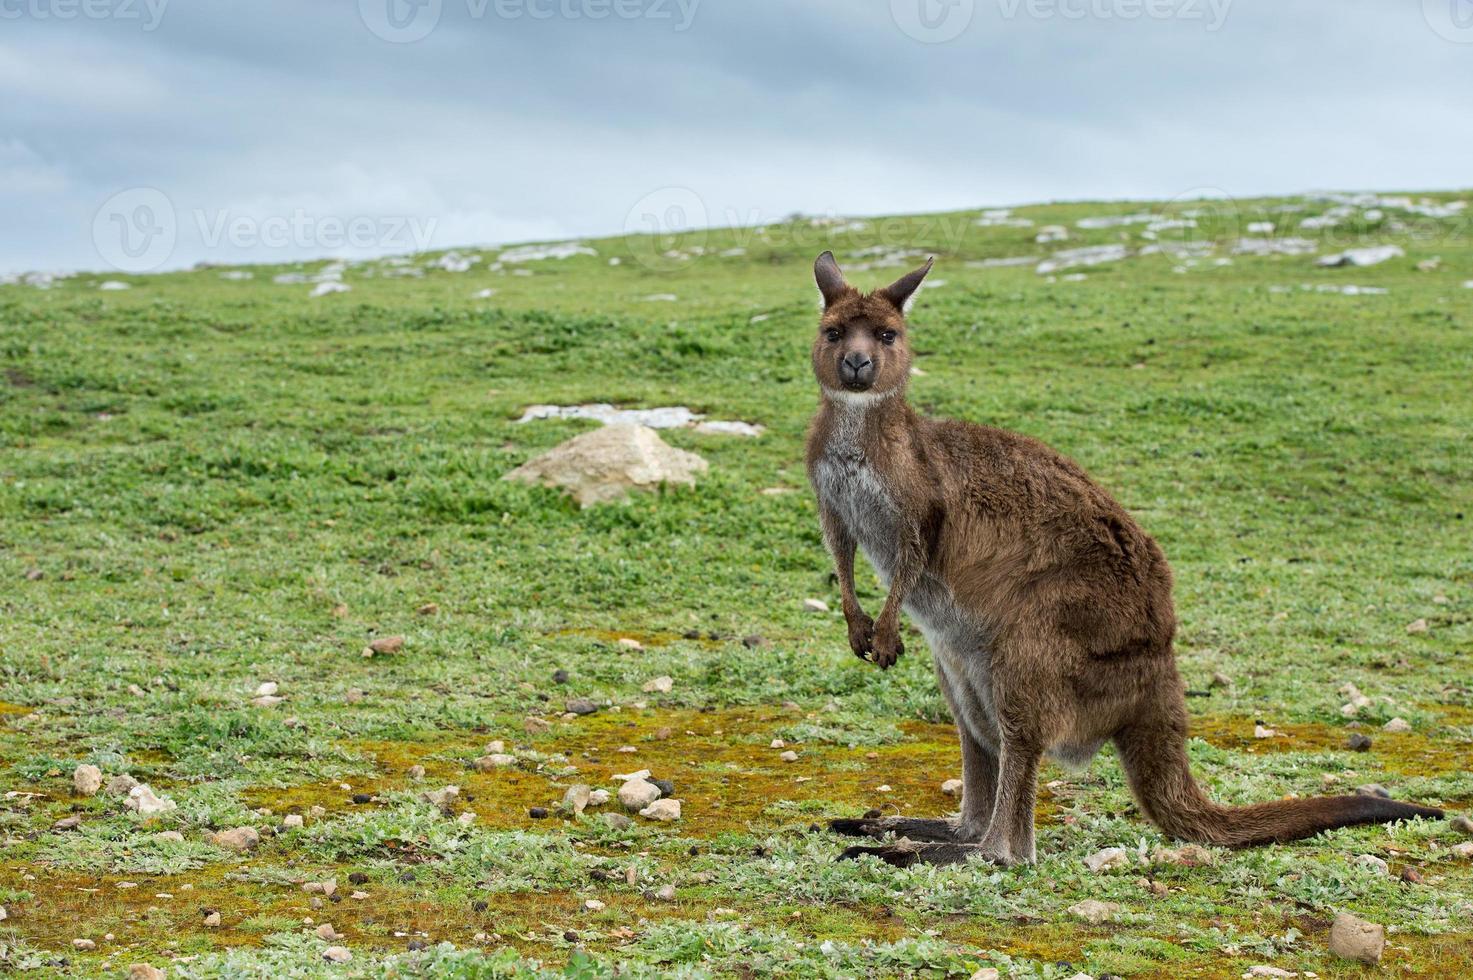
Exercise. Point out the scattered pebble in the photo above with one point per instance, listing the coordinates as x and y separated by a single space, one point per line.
443 798
884 788
594 905
120 785
598 797
664 810
659 685
535 726
170 835
1094 912
212 921
1108 860
1411 875
1357 939
581 706
1373 789
629 643
754 641
1397 725
240 839
1262 731
143 971
428 609
84 944
665 786
68 823
637 794
143 801
1462 824
387 644
1187 856
665 893
494 761
815 606
337 954
789 756
952 787
577 798
292 821
327 932
1220 680
87 780
1358 743
778 743
266 689
617 821
1417 626
1373 862
1463 851
1267 971
416 772
537 812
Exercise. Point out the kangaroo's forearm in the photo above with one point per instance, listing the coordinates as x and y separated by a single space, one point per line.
842 547
910 563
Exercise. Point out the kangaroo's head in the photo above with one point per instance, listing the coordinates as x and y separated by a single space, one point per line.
862 351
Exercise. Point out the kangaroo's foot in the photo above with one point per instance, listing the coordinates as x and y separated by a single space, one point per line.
914 828
904 854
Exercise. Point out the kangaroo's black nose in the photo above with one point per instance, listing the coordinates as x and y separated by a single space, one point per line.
856 370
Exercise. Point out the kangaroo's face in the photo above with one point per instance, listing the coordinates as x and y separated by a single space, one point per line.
862 347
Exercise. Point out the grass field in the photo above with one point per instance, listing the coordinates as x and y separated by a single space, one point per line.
211 483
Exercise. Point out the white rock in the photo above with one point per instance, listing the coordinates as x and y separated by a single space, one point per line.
1089 255
537 253
266 688
327 289
1373 862
577 798
662 810
1267 971
598 797
594 905
637 794
789 756
1357 939
1260 731
987 973
87 780
114 284
1417 626
659 685
624 777
120 785
327 932
337 954
238 839
1109 859
1397 725
1362 256
815 606
496 760
952 787
1094 912
777 743
442 798
143 801
292 820
267 701
604 465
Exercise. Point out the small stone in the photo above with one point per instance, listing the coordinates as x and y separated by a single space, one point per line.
212 921
1463 851
466 819
337 954
815 606
327 932
494 761
1357 939
358 896
84 944
537 812
416 772
71 822
442 798
1411 875
598 797
535 726
754 642
617 821
636 794
665 893
87 780
428 609
594 905
266 689
173 836
292 821
143 801
240 840
120 785
387 644
629 643
1373 789
664 810
986 973
1187 856
659 685
1462 824
884 788
1220 680
560 676
576 799
34 575
1262 731
267 702
1397 725
144 971
1094 912
789 756
361 798
581 706
665 786
1267 971
317 812
1373 862
626 750
1109 859
952 787
1417 626
624 777
1358 742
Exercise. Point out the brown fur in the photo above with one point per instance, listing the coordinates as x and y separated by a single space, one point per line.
1048 609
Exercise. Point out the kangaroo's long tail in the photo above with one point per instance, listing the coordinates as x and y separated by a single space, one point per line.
1154 755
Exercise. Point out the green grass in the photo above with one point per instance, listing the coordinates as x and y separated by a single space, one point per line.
227 482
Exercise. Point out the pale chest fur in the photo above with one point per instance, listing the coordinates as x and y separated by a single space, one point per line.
849 485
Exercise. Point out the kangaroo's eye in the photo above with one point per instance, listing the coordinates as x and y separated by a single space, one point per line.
833 335
888 336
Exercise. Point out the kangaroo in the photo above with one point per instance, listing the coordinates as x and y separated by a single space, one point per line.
1047 609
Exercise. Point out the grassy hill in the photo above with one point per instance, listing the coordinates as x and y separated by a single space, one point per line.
213 480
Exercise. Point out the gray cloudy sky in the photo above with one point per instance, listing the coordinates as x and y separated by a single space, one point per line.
273 129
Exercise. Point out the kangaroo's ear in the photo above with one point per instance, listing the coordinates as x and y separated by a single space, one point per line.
902 291
830 280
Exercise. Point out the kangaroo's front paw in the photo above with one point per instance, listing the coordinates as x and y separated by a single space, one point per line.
861 634
887 646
